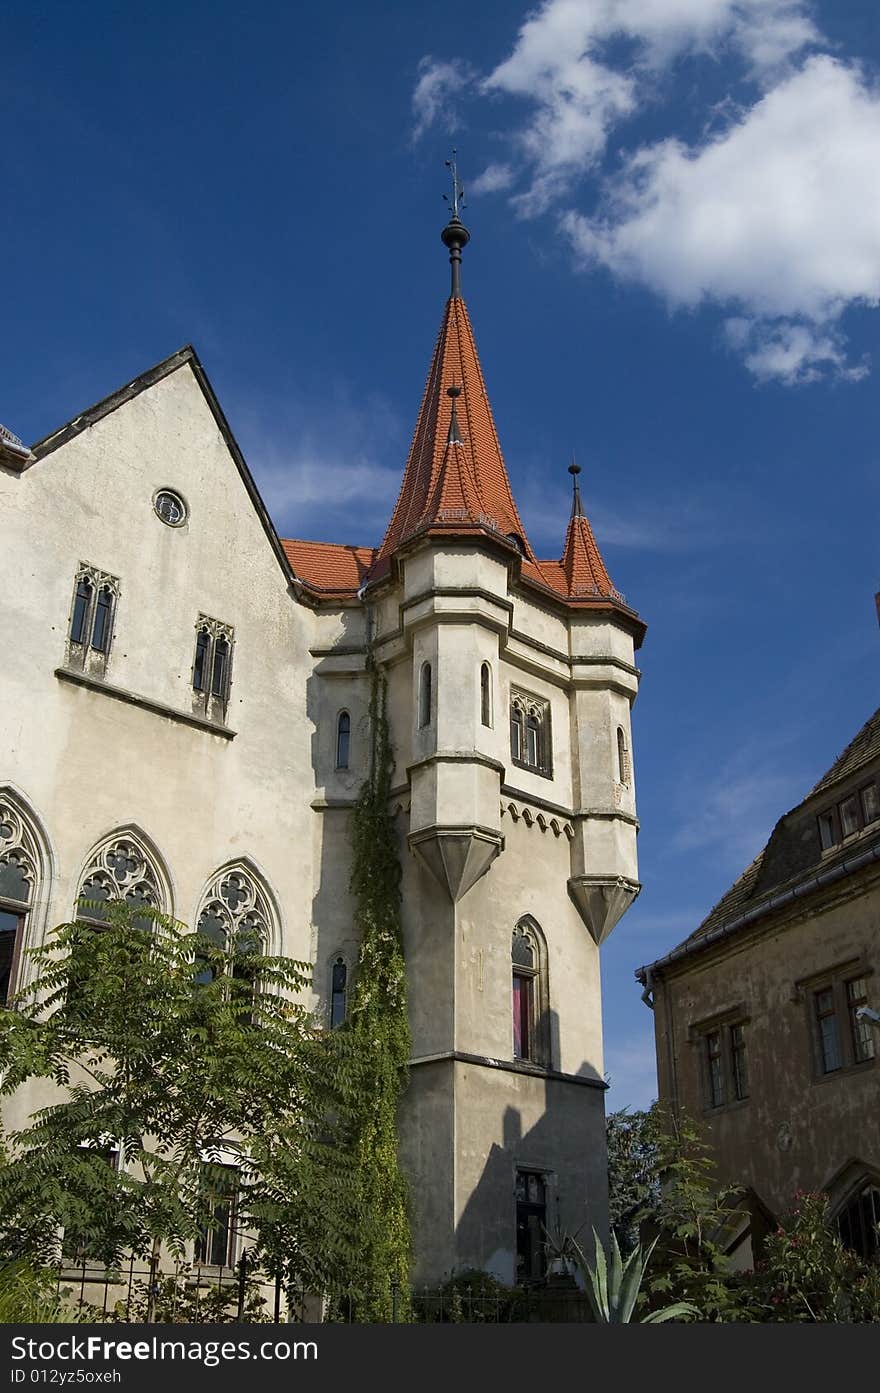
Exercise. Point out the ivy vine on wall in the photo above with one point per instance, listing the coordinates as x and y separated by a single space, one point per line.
377 1039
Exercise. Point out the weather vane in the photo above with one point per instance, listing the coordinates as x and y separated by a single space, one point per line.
457 190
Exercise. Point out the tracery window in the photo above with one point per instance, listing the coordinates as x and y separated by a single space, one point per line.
212 667
120 870
235 919
91 622
530 746
19 877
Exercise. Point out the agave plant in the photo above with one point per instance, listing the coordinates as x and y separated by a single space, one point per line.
613 1288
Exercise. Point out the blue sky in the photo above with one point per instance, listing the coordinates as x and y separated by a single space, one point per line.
674 271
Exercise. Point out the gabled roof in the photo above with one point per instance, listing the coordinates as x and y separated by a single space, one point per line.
792 864
185 356
330 569
456 483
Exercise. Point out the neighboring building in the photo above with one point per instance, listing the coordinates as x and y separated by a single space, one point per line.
759 1015
184 716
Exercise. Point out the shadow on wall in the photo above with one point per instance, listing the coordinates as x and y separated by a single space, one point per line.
549 1179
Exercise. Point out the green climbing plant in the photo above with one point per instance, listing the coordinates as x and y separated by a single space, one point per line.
376 1044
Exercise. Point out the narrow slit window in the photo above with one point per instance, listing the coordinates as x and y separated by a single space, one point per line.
485 695
101 625
533 742
516 733
425 695
220 669
200 666
343 740
622 757
81 606
338 989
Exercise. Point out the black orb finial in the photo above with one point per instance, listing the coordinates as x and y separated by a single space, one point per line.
454 434
574 470
455 235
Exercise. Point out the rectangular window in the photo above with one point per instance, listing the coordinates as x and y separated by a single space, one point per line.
870 804
215 1245
849 815
861 1031
827 1032
714 1069
738 1064
531 1221
77 1248
827 832
522 1015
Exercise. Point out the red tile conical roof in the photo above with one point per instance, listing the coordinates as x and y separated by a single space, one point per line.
456 479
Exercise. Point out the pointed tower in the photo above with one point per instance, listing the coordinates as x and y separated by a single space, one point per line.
510 681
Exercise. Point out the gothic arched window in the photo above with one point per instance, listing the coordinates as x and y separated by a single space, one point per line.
858 1220
486 695
343 740
425 695
120 869
235 920
212 667
530 733
338 992
19 879
91 620
529 994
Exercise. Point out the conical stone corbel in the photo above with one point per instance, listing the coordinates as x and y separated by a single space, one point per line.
456 856
601 900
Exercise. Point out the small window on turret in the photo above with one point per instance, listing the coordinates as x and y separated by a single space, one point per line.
343 740
425 698
485 695
623 771
530 745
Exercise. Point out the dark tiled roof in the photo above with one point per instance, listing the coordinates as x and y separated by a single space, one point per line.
792 860
865 747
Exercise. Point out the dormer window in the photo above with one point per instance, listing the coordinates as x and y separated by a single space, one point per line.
853 813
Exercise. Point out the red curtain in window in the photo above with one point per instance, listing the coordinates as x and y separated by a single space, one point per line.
522 1003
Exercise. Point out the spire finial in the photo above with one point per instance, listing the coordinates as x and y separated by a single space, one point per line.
454 435
574 469
457 190
455 235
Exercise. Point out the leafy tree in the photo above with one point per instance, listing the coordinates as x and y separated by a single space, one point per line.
174 1052
633 1172
808 1275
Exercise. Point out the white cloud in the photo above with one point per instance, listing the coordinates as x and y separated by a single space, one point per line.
433 100
329 469
495 178
559 62
778 216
